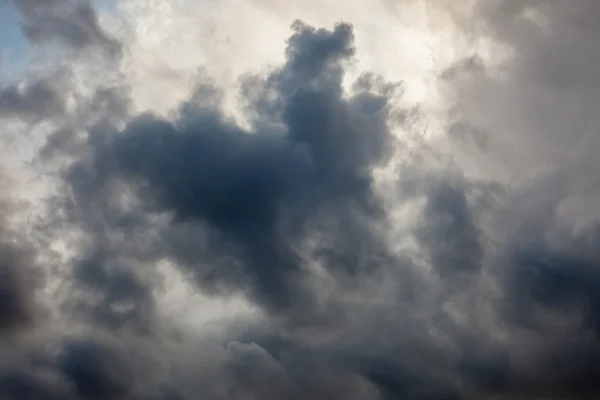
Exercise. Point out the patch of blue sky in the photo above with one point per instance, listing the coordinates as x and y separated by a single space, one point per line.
106 5
14 49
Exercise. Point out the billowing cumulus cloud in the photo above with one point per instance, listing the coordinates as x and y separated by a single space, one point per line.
307 225
310 153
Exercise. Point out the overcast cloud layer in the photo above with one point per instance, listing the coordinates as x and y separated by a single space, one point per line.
269 200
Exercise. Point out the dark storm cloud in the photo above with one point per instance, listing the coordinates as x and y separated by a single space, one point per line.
259 191
243 205
94 370
69 368
73 23
23 382
17 308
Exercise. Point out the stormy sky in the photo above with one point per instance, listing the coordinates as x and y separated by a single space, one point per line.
274 199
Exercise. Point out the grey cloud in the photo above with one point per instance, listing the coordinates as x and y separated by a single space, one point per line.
34 101
89 368
450 231
125 300
95 371
72 23
258 210
16 294
534 121
257 190
538 106
70 367
97 114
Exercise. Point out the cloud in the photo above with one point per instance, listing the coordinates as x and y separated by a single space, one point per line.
38 99
17 303
378 264
72 23
257 190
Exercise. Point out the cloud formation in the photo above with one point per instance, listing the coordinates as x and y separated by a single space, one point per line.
373 263
70 23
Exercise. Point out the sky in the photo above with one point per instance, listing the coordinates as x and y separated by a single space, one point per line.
12 42
275 199
14 47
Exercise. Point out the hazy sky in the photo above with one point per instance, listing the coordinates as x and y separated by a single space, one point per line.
278 199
